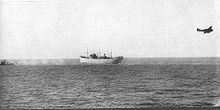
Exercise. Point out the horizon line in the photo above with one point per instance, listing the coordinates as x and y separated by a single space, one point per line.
124 57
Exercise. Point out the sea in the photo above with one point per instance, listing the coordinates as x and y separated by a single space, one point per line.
135 83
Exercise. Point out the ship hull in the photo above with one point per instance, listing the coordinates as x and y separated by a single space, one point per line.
115 60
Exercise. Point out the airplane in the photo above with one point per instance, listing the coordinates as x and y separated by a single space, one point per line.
205 30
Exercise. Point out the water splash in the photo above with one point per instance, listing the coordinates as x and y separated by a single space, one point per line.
217 104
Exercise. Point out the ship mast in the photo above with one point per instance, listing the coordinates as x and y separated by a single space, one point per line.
87 52
111 52
99 52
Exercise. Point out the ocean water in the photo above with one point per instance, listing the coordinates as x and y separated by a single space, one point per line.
110 86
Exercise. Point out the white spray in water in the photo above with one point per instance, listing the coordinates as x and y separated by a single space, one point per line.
217 104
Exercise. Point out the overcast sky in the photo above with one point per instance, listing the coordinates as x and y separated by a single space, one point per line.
131 28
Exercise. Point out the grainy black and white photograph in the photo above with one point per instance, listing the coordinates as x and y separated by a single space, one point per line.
94 54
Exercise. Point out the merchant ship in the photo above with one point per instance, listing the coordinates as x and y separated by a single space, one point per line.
97 59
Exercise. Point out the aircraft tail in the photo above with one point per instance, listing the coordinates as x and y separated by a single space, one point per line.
199 29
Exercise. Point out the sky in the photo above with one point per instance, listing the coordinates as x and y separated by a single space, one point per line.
54 29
